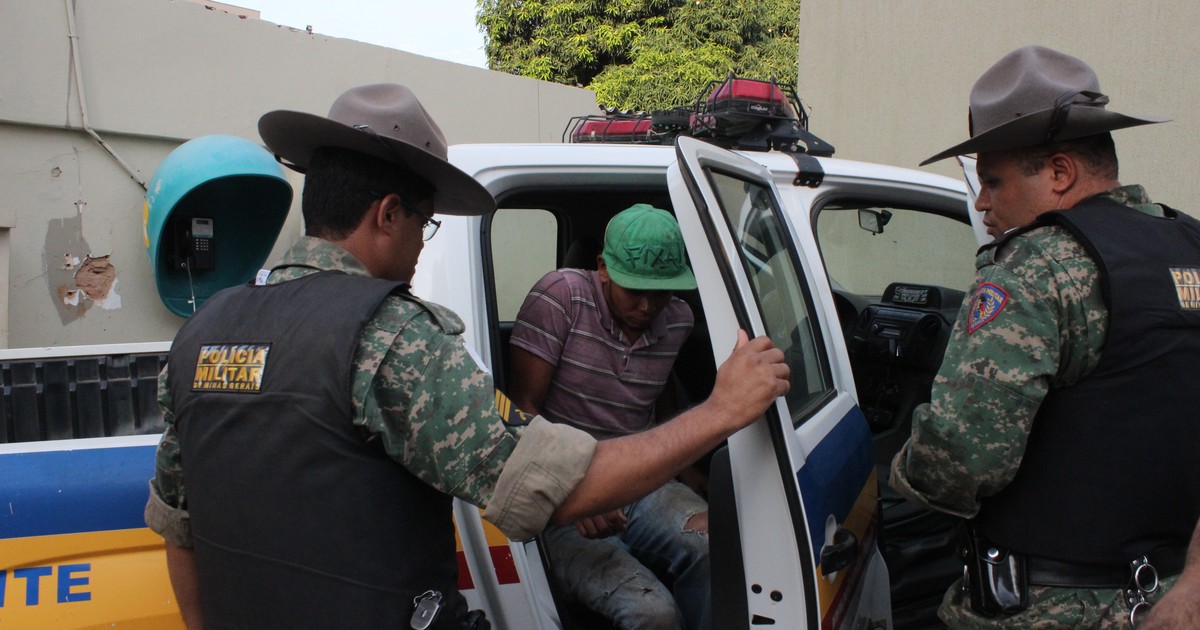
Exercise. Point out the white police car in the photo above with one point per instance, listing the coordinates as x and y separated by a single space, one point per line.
856 270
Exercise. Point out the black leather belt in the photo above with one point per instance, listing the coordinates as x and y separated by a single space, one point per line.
1047 572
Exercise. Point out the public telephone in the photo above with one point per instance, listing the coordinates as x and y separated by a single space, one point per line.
192 244
203 182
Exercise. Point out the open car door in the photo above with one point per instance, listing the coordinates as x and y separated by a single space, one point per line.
793 520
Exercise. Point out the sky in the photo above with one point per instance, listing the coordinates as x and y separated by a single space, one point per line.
443 29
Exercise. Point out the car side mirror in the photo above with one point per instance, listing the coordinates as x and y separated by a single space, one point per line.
873 220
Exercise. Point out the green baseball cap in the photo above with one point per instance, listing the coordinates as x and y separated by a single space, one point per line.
643 250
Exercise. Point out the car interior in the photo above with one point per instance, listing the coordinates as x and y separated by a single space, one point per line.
897 309
895 331
574 220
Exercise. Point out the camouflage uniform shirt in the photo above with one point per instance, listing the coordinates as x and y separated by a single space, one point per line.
417 388
967 443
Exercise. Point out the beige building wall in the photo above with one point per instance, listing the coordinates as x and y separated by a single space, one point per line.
155 73
889 81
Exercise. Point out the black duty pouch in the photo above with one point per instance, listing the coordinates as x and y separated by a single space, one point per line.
994 577
476 620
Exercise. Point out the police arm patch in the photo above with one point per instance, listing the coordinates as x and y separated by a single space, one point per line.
988 301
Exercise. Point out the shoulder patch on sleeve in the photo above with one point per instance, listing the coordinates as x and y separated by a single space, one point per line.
987 302
445 318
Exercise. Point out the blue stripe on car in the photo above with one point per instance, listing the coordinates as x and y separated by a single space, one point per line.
833 474
69 492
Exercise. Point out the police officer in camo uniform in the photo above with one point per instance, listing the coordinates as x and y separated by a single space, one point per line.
320 422
1058 424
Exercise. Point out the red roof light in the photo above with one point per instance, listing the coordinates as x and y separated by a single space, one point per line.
630 128
736 113
751 96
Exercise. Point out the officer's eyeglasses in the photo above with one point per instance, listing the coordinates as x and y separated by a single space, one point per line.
429 225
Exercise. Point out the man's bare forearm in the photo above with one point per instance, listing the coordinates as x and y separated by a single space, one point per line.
181 567
627 468
630 467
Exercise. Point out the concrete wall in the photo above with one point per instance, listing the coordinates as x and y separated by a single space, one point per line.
889 81
156 73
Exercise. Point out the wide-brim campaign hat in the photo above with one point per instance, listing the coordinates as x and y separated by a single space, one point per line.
1033 96
385 121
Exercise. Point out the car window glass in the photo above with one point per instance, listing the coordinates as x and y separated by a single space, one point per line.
524 248
778 286
914 246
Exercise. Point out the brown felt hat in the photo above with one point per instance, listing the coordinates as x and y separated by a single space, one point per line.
386 121
1035 95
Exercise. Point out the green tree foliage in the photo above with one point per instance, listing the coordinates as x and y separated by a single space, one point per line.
641 54
565 41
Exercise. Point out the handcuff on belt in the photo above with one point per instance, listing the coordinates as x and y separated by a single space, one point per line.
1143 580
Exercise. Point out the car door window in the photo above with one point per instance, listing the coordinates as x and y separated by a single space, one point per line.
778 286
913 245
524 248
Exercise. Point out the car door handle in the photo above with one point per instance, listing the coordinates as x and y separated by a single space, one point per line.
838 554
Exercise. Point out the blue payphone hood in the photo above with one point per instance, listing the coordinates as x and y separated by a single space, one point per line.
235 183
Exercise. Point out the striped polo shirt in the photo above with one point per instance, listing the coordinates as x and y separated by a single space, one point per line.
602 384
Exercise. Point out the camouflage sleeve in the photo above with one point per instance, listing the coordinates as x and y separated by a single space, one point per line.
166 509
419 390
1026 326
431 405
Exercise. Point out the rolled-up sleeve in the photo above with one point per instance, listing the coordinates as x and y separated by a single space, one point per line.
166 509
548 462
172 523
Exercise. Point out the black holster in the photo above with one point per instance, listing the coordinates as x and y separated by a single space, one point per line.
476 620
994 577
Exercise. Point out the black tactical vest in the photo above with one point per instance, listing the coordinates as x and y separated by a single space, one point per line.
1112 466
299 520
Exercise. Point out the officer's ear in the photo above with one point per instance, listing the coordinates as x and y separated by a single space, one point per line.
387 213
1063 172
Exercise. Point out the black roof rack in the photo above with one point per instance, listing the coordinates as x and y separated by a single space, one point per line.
736 113
613 126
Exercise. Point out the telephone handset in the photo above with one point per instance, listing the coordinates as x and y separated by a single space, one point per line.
192 245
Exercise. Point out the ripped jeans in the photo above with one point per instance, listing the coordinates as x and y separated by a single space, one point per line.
615 576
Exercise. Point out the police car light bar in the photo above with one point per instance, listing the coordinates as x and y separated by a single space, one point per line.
626 128
747 114
764 99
